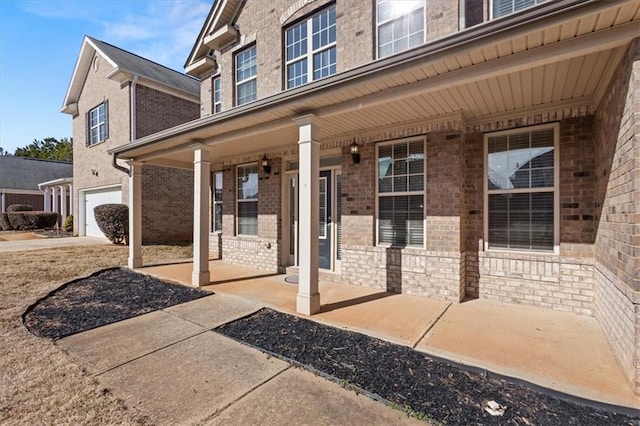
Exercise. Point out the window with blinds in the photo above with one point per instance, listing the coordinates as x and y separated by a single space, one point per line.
247 199
522 189
216 225
401 168
507 7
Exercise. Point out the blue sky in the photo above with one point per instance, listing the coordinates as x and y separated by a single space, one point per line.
40 41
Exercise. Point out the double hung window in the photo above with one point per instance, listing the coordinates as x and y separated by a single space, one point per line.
98 124
401 167
507 7
400 25
216 225
246 76
247 199
521 189
310 48
217 95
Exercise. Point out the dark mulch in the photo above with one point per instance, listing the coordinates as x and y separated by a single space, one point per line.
102 298
427 387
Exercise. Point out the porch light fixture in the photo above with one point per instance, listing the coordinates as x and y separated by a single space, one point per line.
266 166
354 149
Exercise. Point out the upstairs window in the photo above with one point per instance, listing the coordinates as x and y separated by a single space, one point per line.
247 199
216 225
217 95
400 25
521 189
310 48
246 76
97 124
506 7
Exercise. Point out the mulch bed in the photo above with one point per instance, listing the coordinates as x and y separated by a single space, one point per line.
102 298
425 387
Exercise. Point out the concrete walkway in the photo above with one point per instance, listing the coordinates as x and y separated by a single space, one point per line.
559 351
170 366
46 243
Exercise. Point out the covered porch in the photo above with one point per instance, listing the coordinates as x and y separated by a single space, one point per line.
559 351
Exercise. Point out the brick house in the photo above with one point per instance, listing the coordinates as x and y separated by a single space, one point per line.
116 97
446 148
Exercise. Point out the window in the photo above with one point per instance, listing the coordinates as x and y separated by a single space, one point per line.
217 95
521 189
247 199
310 48
470 13
400 25
98 124
246 80
401 168
506 7
216 225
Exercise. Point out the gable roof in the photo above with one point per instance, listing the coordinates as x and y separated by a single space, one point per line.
126 65
27 173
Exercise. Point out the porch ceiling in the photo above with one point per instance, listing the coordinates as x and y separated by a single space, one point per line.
564 61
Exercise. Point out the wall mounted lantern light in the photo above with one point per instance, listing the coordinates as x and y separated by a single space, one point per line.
266 166
354 149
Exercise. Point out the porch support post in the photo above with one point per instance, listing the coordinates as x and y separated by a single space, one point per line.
308 300
63 202
201 182
54 200
3 203
71 199
135 214
47 200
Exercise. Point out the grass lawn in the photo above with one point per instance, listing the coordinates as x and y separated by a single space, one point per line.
39 382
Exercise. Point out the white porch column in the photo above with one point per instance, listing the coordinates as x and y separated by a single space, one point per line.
308 300
54 200
47 200
71 200
63 202
135 214
201 182
3 203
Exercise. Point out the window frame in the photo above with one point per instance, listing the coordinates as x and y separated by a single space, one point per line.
238 201
217 105
309 55
89 127
215 203
378 24
492 8
422 139
238 83
556 187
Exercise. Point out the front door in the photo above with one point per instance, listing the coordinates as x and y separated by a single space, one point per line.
325 230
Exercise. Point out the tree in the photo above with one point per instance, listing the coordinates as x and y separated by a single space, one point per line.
48 149
3 152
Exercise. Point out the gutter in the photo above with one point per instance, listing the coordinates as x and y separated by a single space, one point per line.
132 115
548 14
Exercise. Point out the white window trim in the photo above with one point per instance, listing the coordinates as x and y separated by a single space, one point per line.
213 87
379 24
246 80
408 193
214 203
556 187
238 234
491 7
103 105
310 52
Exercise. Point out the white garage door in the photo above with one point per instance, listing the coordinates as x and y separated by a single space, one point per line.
97 198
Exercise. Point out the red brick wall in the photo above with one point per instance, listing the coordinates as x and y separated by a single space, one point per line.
35 201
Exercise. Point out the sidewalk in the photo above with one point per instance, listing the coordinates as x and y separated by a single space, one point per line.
555 350
171 367
46 243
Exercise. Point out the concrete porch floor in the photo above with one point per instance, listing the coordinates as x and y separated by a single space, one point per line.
555 350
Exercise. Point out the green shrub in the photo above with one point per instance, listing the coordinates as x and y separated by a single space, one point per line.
67 226
113 221
4 223
19 208
29 220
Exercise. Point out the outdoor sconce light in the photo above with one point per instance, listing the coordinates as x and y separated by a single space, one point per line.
354 149
266 167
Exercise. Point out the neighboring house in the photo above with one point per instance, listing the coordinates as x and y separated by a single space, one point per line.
115 97
20 180
434 148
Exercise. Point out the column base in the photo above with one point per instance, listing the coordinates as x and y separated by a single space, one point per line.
308 305
135 262
199 279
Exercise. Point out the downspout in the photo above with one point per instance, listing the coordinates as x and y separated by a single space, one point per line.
132 114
